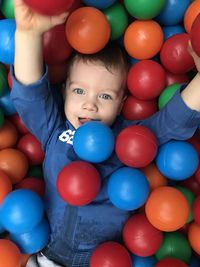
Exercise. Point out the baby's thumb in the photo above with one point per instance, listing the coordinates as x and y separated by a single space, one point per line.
59 19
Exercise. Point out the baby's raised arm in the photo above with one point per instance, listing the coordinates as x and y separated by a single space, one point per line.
30 26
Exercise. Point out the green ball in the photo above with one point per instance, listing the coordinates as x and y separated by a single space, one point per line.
1 118
118 20
190 198
35 171
7 9
167 94
144 9
174 245
3 79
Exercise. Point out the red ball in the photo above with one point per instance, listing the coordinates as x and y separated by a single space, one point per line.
172 78
192 184
32 148
52 7
110 254
17 121
55 45
171 262
9 80
136 146
196 210
146 79
78 183
32 183
174 54
195 35
141 237
136 109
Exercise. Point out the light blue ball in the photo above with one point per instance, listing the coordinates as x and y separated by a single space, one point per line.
21 210
172 30
143 261
100 4
128 188
177 160
7 43
6 104
173 12
33 241
93 142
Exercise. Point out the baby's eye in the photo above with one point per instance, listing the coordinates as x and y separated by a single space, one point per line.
78 91
106 96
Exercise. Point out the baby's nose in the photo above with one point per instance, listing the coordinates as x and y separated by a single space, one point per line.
90 105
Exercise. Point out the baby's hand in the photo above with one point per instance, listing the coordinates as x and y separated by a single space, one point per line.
195 56
31 21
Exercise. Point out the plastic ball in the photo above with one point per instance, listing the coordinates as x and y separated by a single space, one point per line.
34 184
31 147
136 146
57 72
143 39
6 104
172 78
172 30
154 176
55 45
5 186
177 160
171 262
53 7
195 36
146 79
128 188
14 163
196 210
87 30
143 261
7 9
174 245
174 54
136 109
140 237
34 240
21 211
173 12
191 184
167 94
10 255
191 13
78 183
7 33
93 141
3 79
118 20
100 4
193 237
167 209
17 121
8 135
110 254
144 9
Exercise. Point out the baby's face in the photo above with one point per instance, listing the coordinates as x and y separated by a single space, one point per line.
93 93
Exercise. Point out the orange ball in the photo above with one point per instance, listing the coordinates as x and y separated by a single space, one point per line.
143 39
14 163
9 254
154 176
191 13
87 30
167 208
8 135
24 259
5 185
193 237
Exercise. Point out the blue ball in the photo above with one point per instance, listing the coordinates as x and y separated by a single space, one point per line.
128 188
177 160
7 43
21 211
172 30
194 262
173 12
100 4
143 261
6 104
33 241
93 142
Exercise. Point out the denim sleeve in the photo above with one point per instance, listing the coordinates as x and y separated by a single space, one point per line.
175 121
37 107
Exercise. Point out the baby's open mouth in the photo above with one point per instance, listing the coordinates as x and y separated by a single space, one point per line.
84 120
